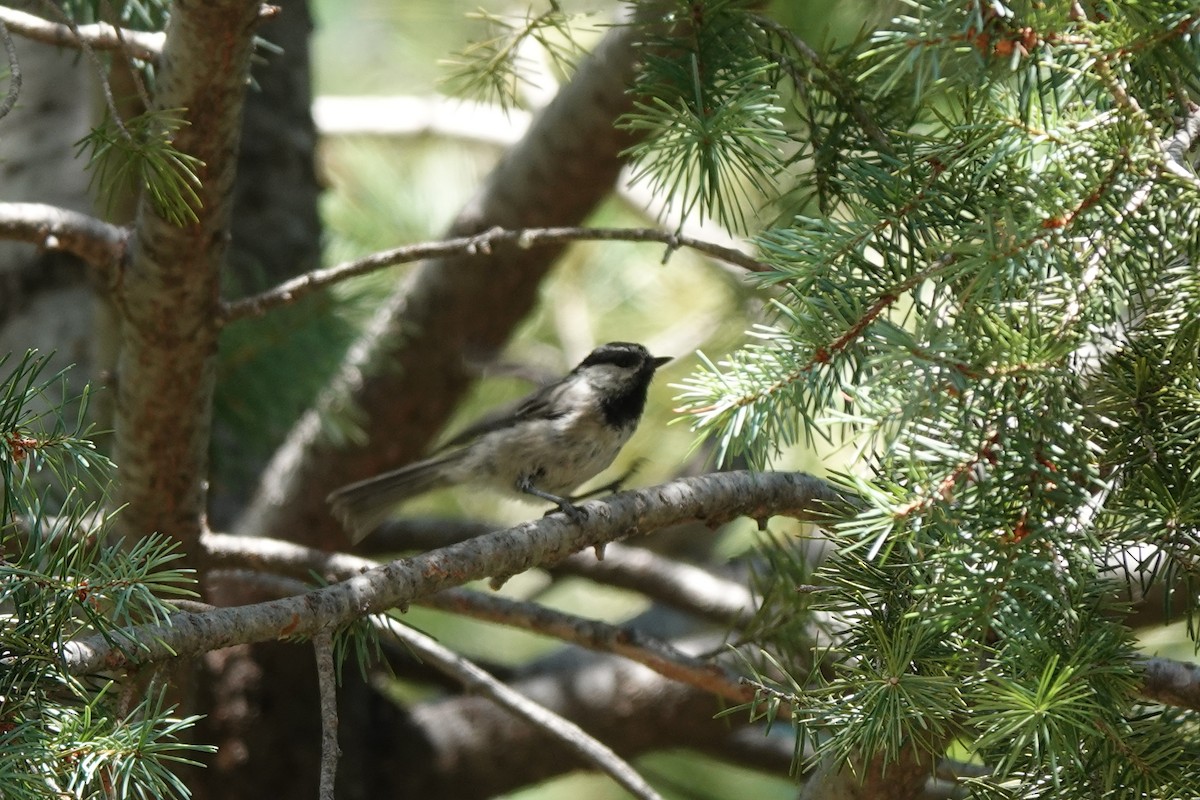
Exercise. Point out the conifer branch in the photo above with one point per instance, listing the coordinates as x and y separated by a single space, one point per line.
144 45
299 563
602 637
480 682
100 244
710 498
478 245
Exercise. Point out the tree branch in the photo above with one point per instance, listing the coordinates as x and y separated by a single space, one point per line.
625 705
297 561
168 298
480 682
478 245
629 643
405 116
681 586
327 683
685 587
145 45
102 245
710 498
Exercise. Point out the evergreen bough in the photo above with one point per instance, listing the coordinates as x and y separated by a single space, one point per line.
62 735
984 288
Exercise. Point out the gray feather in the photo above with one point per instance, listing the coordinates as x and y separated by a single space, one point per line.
362 507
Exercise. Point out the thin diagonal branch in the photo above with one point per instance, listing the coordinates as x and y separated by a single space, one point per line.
297 561
682 586
710 498
134 73
626 642
102 75
145 45
480 682
478 245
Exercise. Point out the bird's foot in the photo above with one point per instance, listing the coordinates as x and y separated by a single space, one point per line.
573 512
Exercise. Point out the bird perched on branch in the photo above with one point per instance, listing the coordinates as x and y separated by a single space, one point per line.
551 442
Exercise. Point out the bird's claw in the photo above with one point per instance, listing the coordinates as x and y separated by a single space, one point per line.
573 512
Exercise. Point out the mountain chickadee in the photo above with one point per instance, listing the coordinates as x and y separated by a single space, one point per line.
555 439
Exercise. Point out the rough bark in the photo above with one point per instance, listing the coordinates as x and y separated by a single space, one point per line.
713 499
168 298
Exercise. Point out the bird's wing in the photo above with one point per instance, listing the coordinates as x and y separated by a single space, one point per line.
542 404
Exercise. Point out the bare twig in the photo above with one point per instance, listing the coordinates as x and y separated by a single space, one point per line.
405 116
682 586
144 45
126 50
477 680
101 73
712 498
658 655
100 244
14 71
327 686
480 244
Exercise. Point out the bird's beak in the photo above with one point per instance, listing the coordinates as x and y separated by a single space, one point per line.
660 360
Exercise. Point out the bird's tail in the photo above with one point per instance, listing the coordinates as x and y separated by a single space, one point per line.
361 507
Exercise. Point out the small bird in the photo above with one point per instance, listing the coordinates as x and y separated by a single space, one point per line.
551 442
